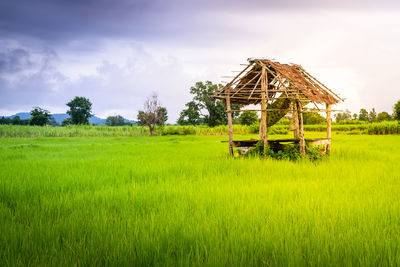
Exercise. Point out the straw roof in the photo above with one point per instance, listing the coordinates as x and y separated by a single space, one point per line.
284 81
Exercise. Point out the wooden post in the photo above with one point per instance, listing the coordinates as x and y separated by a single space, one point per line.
263 123
301 130
229 111
328 127
295 121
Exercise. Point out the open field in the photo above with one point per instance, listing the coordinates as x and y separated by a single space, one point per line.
179 200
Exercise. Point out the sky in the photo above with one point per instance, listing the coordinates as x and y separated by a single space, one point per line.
118 52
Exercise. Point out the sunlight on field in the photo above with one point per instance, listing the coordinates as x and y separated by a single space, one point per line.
179 200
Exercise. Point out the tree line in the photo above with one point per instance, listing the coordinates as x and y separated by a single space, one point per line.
80 110
370 116
203 109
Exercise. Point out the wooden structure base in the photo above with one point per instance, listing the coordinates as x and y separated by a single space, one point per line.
280 144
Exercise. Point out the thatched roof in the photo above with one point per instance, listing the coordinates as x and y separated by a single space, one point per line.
284 81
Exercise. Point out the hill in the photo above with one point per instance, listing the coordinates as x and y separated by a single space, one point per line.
59 117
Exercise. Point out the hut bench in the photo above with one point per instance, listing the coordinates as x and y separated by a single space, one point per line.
279 144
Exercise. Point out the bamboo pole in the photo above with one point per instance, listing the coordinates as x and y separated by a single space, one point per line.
263 123
328 127
301 130
229 111
295 121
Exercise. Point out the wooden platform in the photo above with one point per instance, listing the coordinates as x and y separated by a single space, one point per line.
275 142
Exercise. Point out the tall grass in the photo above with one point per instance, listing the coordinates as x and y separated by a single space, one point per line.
179 200
134 131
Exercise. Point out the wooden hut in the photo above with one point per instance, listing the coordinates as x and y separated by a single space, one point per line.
279 89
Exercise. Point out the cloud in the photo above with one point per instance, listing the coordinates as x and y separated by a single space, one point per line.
115 87
63 20
117 52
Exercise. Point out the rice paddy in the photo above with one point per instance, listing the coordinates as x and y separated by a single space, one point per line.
179 200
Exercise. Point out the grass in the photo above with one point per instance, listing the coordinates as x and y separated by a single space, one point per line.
179 200
380 128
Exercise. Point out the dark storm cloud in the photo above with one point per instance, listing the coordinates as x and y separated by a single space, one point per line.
27 78
63 19
60 20
14 60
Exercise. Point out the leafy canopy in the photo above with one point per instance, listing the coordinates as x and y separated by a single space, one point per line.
396 111
80 109
248 117
204 108
39 116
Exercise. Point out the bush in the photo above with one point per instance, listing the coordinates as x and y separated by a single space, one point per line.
291 152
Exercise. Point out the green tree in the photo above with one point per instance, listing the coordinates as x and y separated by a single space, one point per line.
372 115
153 114
39 116
383 116
313 118
396 111
16 120
163 113
66 122
344 116
248 117
5 120
190 115
80 109
52 122
214 108
363 116
117 120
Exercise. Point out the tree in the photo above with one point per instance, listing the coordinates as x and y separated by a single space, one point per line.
39 116
5 120
190 115
344 116
363 116
372 115
153 113
313 118
383 116
396 111
164 116
80 109
52 122
16 120
117 120
215 108
66 122
248 117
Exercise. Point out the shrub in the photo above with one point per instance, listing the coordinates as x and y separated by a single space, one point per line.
291 152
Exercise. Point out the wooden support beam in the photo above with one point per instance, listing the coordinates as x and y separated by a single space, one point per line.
255 86
295 121
328 127
263 122
301 129
229 111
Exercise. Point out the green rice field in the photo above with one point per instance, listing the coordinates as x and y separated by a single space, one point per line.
180 200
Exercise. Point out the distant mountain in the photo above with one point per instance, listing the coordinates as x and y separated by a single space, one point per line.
59 117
